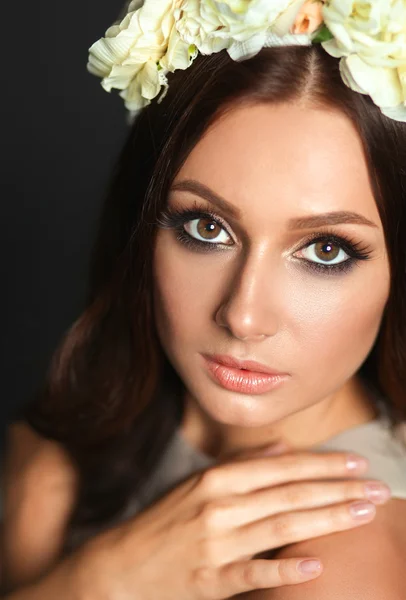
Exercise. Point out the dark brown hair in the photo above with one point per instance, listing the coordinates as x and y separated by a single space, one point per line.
111 397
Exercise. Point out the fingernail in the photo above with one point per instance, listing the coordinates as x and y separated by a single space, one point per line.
309 566
362 510
355 463
377 491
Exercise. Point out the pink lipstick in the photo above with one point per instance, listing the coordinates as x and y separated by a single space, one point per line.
242 376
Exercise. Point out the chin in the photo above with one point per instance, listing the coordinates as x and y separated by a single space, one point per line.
239 410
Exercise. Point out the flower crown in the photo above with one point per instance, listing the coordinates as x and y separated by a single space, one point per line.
159 36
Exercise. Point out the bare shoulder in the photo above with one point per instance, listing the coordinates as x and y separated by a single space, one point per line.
29 452
39 491
366 562
36 471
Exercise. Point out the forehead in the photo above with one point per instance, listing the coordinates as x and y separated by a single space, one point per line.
284 158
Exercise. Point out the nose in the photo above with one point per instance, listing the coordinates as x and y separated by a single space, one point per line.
249 310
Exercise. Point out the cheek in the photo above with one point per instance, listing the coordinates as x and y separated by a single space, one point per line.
184 293
336 322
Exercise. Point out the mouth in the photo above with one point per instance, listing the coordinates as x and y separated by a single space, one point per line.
243 365
242 380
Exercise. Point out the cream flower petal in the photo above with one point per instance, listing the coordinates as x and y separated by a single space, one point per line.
382 84
331 47
129 53
152 13
97 67
258 8
402 80
177 55
214 45
342 38
133 98
230 20
338 11
397 113
135 5
120 77
108 52
149 80
289 39
370 39
140 54
348 78
113 31
248 49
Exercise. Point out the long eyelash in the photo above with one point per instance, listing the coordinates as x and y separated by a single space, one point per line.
172 218
354 249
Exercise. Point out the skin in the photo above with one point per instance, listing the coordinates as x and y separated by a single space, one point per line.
256 300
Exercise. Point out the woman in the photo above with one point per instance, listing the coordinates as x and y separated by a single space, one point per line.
256 213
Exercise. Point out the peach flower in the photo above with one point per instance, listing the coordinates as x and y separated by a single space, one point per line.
309 17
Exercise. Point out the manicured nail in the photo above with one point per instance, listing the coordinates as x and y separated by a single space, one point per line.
309 566
377 491
362 510
356 463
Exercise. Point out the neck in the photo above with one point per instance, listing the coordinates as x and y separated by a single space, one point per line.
349 407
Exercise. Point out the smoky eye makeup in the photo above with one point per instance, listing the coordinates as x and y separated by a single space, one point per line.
326 241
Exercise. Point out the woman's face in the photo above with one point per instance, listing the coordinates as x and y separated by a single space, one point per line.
257 287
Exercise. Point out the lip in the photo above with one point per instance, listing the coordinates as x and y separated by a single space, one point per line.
248 365
243 381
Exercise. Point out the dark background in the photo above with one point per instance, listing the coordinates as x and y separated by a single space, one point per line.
61 134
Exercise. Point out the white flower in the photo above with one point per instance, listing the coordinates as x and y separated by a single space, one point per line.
159 36
370 39
240 26
135 55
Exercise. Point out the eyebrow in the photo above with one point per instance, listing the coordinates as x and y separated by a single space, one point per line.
309 222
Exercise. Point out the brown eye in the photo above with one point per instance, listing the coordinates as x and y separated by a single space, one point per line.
326 251
206 229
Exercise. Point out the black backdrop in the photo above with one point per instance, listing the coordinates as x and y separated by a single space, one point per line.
61 133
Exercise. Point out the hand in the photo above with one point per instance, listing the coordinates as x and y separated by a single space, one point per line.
198 541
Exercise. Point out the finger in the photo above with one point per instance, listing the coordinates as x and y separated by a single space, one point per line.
245 576
260 472
287 528
228 513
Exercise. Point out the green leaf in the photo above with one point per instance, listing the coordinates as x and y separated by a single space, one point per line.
322 35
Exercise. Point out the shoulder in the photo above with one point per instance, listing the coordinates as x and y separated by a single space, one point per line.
365 562
39 490
31 455
35 468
